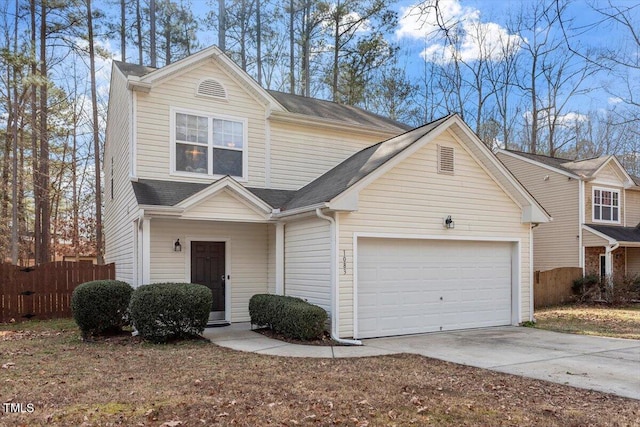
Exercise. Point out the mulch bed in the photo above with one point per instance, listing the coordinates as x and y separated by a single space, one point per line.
326 339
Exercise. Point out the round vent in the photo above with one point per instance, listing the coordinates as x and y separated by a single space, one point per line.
211 88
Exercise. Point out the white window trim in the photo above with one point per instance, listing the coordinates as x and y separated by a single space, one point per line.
172 143
593 205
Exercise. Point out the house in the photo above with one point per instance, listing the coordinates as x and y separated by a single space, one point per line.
212 179
595 205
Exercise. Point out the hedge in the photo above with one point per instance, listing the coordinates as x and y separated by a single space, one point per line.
164 311
100 306
289 316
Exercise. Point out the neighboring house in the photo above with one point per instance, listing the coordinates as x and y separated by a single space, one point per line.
595 205
269 192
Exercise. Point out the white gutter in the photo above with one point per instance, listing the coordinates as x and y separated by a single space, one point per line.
297 211
531 287
334 280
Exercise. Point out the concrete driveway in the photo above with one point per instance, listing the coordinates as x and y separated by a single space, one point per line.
605 364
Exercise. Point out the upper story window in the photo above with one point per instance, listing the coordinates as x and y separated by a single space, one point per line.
606 205
209 145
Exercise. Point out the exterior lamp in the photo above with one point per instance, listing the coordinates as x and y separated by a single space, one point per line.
177 246
449 223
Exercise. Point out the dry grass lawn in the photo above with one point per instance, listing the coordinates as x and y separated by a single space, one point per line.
121 381
616 322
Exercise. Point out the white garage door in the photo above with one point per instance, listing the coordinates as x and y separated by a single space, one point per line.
408 286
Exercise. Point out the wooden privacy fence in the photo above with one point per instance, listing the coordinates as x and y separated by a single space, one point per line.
44 291
553 287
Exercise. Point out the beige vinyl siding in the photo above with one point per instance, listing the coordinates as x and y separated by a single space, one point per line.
412 200
589 239
223 206
632 207
588 201
556 243
119 211
307 261
633 261
179 92
246 249
300 154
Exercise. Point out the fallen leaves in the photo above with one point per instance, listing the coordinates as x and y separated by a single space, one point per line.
217 386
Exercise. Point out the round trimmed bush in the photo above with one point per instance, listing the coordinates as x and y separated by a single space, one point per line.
165 311
101 306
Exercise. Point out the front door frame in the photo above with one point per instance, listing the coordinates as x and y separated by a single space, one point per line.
227 267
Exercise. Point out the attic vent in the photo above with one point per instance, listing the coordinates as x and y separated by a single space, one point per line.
445 160
211 88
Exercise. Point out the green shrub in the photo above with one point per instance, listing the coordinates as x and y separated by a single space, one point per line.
165 311
101 306
289 316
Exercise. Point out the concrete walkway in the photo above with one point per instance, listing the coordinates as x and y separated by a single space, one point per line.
605 364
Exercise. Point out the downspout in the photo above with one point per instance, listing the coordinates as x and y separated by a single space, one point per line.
581 209
334 280
531 272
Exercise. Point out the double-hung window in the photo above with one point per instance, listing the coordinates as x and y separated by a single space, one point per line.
209 145
606 205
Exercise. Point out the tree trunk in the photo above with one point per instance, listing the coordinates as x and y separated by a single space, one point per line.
37 194
152 33
259 42
336 52
15 236
139 33
292 79
45 207
222 26
96 137
123 32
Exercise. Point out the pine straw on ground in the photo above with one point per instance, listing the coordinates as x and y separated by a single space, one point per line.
123 381
616 322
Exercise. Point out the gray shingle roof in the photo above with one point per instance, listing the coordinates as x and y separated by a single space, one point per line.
306 106
585 167
334 111
356 167
133 69
169 193
621 234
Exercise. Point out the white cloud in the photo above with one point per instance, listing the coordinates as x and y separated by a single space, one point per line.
568 119
475 39
614 100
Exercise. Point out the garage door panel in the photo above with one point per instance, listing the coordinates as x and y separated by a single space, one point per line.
411 286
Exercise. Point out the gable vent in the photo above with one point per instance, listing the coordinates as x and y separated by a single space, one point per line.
445 160
211 88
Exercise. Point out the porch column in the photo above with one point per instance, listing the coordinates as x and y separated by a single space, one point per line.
146 251
608 264
280 258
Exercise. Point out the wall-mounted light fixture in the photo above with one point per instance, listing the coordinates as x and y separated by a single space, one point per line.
177 246
449 223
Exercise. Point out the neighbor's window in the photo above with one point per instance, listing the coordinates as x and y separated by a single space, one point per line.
209 145
606 205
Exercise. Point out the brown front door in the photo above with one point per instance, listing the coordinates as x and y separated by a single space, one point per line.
208 269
